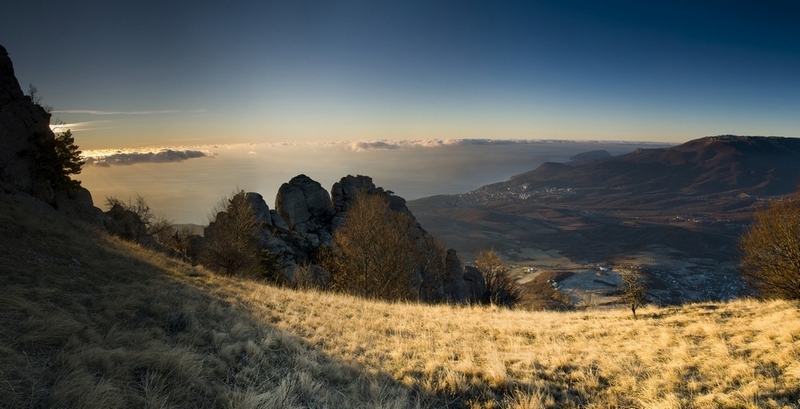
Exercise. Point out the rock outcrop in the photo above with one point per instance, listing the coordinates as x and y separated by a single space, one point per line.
304 204
24 130
304 221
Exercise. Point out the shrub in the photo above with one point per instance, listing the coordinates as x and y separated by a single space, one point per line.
135 220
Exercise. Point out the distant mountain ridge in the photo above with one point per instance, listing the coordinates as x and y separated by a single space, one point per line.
729 164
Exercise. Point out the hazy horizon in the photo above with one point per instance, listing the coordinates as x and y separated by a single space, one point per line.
184 183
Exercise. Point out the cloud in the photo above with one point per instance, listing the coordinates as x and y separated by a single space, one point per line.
99 158
363 146
156 112
79 126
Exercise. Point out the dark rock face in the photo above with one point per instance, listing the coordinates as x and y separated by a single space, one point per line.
455 288
22 125
476 285
345 191
20 121
260 207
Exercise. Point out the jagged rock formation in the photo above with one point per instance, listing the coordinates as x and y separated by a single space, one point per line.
24 128
305 218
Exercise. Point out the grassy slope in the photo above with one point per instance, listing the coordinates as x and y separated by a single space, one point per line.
91 321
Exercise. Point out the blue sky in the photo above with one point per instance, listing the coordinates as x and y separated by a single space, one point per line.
144 73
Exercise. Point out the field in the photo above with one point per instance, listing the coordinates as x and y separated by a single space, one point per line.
87 320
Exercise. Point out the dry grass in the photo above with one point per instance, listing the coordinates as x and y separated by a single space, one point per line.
124 327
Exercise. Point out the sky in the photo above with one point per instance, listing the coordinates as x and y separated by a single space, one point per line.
125 74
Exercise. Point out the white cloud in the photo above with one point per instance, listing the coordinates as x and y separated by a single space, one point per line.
156 112
131 157
362 146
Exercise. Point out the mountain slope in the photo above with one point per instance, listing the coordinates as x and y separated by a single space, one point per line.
706 166
90 321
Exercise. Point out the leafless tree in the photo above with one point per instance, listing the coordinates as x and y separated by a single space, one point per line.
633 290
771 249
501 289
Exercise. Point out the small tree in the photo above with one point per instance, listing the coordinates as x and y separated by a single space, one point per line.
501 289
633 290
231 243
771 248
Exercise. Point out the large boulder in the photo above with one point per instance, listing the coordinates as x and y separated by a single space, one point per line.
304 204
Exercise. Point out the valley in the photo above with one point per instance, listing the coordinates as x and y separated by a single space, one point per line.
674 214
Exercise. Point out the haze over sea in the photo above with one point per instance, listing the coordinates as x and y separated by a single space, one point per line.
184 183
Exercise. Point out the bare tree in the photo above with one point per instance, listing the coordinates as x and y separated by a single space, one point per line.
771 248
374 251
501 289
633 290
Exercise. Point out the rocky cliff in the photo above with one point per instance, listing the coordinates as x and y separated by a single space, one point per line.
24 130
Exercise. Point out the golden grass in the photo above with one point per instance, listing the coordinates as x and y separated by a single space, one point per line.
125 327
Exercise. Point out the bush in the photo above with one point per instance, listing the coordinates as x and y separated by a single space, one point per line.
135 220
771 248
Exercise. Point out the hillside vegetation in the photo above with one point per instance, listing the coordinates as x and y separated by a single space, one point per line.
87 320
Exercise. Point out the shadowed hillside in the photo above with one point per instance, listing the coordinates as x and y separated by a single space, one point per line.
91 321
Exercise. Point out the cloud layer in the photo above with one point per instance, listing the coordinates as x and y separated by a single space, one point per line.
133 157
363 146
